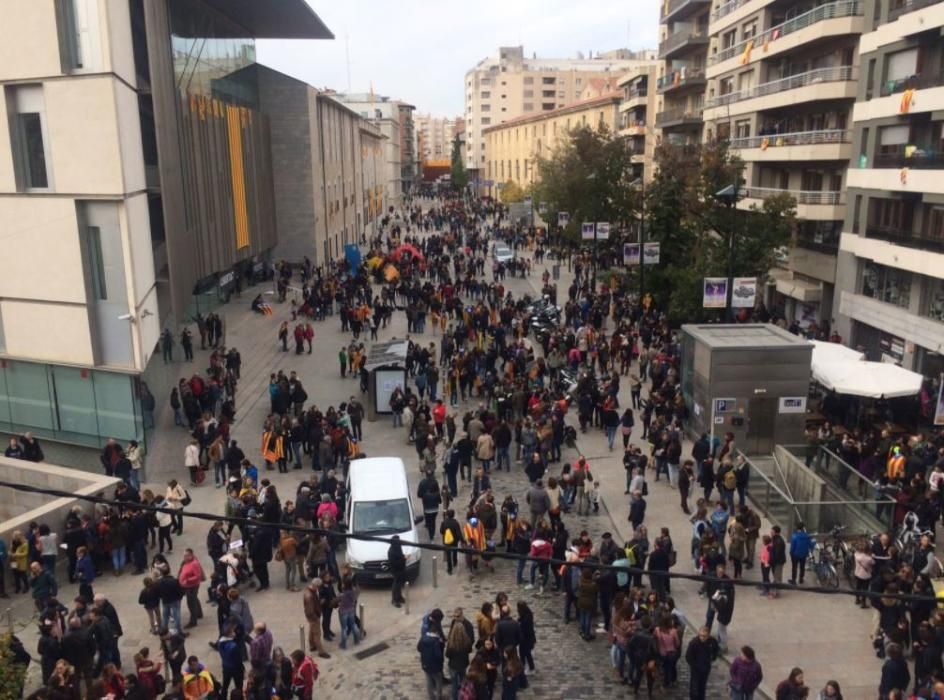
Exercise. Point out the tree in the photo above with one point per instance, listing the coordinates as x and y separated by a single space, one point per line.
12 671
589 175
511 192
693 227
460 177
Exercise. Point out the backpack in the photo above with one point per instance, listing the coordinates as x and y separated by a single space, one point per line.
448 537
729 480
467 690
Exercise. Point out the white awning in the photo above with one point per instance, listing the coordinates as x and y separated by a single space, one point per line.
826 354
874 380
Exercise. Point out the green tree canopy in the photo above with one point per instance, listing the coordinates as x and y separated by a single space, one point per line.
511 192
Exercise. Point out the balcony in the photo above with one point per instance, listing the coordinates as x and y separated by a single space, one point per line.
727 8
903 7
632 127
633 97
675 10
912 82
827 197
797 138
681 79
842 8
919 159
679 118
819 75
682 42
906 238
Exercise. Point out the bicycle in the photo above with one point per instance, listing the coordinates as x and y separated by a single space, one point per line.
822 563
842 553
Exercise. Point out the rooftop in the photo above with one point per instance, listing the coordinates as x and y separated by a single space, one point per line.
754 336
612 97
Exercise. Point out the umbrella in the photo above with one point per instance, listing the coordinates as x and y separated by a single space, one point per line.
874 380
374 262
406 248
391 273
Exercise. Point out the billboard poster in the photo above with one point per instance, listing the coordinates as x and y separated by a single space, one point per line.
563 218
586 231
603 230
715 293
650 253
630 253
744 293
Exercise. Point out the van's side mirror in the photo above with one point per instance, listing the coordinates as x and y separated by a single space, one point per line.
418 519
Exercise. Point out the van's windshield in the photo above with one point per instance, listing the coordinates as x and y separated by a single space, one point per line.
378 517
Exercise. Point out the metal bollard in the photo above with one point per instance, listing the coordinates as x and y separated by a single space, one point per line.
435 572
361 610
406 598
302 644
10 619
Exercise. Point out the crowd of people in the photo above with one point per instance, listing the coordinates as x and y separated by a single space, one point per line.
480 400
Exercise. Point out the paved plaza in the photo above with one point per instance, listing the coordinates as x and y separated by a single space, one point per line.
827 636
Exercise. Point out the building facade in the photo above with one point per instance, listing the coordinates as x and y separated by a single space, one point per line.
891 254
436 135
637 111
506 86
680 86
396 123
328 169
134 155
781 84
512 148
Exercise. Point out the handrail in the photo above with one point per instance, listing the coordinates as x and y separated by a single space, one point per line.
676 114
909 6
674 5
817 75
802 196
841 8
759 472
783 478
794 138
678 78
727 8
679 39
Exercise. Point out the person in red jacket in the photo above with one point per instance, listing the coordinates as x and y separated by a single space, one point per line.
304 674
190 577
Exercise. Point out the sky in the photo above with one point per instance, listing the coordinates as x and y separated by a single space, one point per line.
419 50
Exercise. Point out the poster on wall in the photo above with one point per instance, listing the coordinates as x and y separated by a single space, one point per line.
716 293
586 231
630 253
650 253
744 293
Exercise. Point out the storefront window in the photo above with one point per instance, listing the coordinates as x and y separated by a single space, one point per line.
888 284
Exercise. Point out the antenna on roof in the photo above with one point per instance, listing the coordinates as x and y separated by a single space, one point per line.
347 54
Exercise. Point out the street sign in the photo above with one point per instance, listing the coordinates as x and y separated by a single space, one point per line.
725 405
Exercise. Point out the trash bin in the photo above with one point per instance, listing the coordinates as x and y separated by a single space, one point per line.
555 271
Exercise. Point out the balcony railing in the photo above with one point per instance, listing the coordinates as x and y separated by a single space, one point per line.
801 196
796 138
727 8
912 82
674 6
632 123
842 8
679 78
678 115
680 39
819 75
904 237
919 159
905 6
635 93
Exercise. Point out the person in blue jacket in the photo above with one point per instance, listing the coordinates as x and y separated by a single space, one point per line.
85 573
800 546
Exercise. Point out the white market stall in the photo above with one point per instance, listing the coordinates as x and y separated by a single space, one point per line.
845 371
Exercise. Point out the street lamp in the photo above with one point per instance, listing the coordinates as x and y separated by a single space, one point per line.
593 286
640 182
729 195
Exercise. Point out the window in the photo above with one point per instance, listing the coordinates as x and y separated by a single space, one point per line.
485 94
95 264
486 121
901 65
486 108
504 97
726 86
561 94
547 93
528 106
77 28
729 39
934 306
29 138
749 30
892 139
579 81
888 284
548 81
547 106
742 129
528 94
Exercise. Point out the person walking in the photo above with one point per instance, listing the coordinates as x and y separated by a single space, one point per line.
451 533
700 655
778 558
746 675
800 546
190 576
396 562
459 645
431 647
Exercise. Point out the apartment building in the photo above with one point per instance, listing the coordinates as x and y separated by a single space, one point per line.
891 253
782 80
135 181
436 135
328 169
508 85
512 148
680 85
396 123
637 111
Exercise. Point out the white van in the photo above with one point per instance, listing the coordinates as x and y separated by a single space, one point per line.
379 503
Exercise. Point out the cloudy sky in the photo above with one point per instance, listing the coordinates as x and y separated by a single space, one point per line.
419 50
